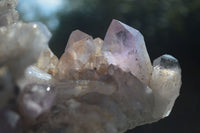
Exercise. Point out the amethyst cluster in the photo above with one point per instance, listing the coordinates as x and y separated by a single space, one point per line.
101 86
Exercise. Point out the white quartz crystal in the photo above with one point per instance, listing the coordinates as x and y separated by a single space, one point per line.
165 83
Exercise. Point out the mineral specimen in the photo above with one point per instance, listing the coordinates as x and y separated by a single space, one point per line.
96 86
110 86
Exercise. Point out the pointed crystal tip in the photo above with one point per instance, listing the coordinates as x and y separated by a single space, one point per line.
76 36
124 47
166 61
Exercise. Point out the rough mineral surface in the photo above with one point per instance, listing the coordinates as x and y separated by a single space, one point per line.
8 14
96 86
20 46
36 99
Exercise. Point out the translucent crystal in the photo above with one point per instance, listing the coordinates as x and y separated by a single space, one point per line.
76 36
81 54
165 83
124 47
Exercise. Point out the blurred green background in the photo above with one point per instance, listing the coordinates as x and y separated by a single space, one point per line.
168 26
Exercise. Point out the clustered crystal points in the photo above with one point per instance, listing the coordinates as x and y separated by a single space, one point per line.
97 86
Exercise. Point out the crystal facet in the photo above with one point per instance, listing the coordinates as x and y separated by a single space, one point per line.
81 55
124 47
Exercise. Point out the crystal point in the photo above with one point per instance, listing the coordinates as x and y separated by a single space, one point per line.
81 55
165 82
76 36
124 46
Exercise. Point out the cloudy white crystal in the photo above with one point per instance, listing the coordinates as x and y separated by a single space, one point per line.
165 83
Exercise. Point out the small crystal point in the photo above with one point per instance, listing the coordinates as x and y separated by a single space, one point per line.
76 36
165 83
76 56
80 55
124 47
166 61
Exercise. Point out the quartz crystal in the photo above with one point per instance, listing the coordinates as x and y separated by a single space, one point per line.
124 47
167 71
96 94
101 86
81 55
